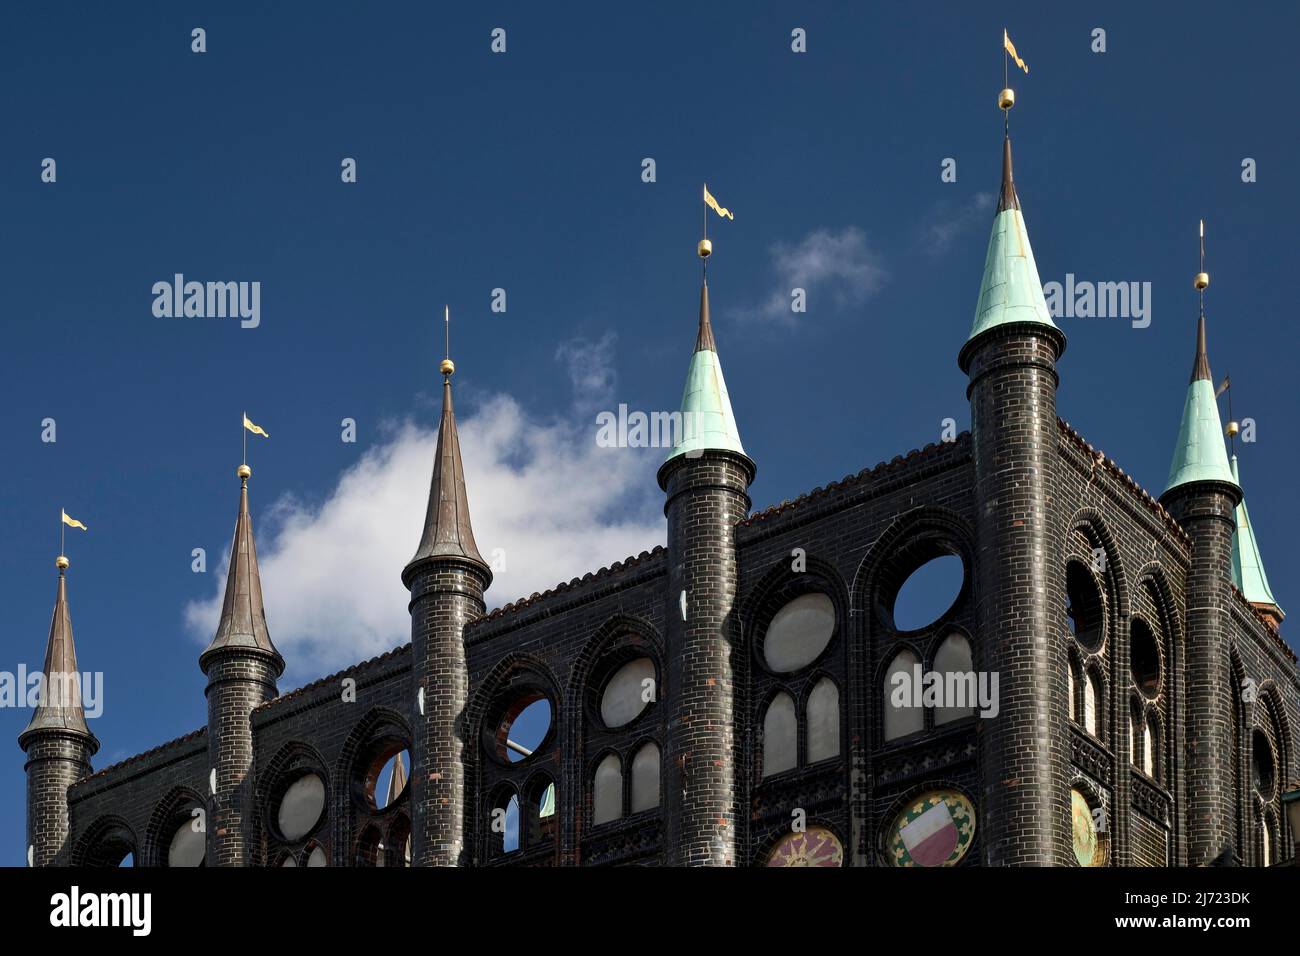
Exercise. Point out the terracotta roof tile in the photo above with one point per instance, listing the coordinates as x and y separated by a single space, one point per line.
192 735
864 475
1141 493
331 678
617 567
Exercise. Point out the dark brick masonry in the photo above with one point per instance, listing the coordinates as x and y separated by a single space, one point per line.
707 496
861 535
239 680
1023 754
1162 698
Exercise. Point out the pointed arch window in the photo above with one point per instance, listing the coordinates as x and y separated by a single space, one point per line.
1069 690
607 792
1091 704
823 718
780 730
645 778
901 718
954 658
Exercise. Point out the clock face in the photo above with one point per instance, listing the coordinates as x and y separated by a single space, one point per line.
1088 849
936 829
816 847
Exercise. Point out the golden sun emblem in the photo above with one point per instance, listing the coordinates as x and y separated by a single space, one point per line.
817 847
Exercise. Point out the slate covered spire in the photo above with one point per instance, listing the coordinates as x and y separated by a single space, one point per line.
396 780
60 707
1199 454
243 616
1010 291
447 530
707 419
1247 565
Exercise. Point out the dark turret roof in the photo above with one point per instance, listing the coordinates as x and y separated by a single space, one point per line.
243 616
447 530
60 707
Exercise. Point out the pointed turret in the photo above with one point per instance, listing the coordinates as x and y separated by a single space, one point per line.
396 780
447 579
1010 291
1010 358
60 707
447 531
243 616
1199 454
707 419
1247 565
1203 497
242 666
56 740
706 481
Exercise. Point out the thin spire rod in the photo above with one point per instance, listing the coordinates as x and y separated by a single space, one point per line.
704 212
1006 84
1232 432
1200 291
446 319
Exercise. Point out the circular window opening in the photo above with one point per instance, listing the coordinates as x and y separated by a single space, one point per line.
929 593
188 844
301 807
1144 658
524 727
390 781
1262 764
1083 608
799 633
628 692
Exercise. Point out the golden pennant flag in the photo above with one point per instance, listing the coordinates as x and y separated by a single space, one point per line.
1011 48
1223 386
255 429
712 203
72 522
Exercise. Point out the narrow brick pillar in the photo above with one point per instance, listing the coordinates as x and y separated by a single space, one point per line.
1024 802
446 596
1205 509
706 497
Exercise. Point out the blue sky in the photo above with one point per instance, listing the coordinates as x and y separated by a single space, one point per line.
522 171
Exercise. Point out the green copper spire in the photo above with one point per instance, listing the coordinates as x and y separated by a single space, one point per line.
1247 566
1010 290
707 420
1199 454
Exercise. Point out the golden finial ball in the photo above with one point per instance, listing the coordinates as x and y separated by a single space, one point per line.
244 472
446 366
705 248
61 562
1233 429
1007 99
1201 281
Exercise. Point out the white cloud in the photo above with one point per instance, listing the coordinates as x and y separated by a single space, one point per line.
541 490
835 266
591 371
949 220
